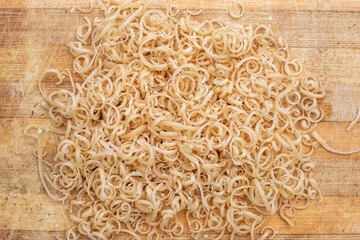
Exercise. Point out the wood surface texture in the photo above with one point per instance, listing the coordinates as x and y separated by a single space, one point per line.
323 34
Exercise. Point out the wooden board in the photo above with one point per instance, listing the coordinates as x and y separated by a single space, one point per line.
324 34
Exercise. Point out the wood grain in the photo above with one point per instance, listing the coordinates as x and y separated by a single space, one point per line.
323 34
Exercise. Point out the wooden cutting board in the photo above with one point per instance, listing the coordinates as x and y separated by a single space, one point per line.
324 35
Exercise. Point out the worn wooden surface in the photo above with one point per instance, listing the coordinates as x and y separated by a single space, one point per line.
324 34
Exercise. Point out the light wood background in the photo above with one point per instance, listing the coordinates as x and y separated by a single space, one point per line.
324 35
